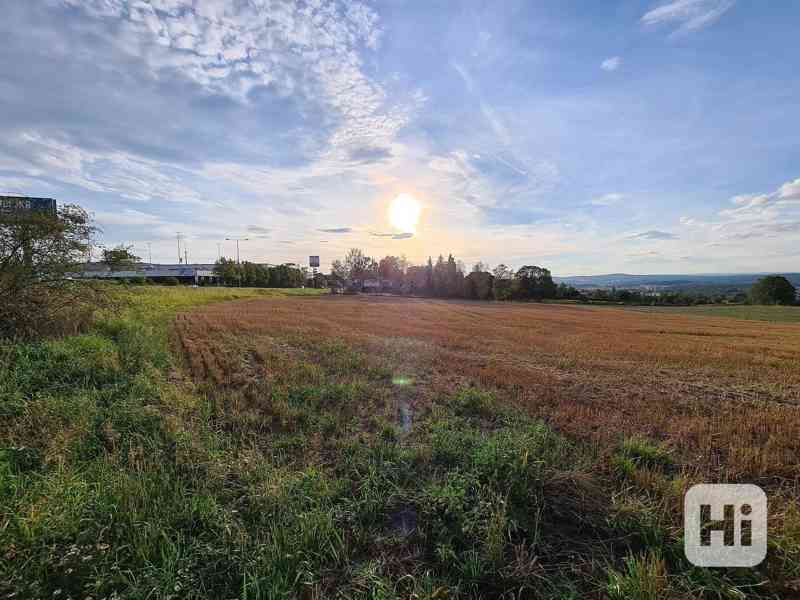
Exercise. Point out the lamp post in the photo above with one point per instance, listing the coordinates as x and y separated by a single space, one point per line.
238 262
237 240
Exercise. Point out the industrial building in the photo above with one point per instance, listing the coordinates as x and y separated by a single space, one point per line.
198 274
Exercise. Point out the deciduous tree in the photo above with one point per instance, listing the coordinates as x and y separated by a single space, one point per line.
38 256
120 258
773 289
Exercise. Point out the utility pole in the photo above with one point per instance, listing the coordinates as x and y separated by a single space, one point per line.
149 253
219 251
185 255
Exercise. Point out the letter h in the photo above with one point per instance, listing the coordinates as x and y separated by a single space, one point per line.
707 525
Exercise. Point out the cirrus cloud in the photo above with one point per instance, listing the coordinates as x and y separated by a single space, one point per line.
688 15
653 234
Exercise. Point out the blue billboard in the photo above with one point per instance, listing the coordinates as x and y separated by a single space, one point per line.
22 206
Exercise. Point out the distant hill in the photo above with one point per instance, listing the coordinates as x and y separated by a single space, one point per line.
672 282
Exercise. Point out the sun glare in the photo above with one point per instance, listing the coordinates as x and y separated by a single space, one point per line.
404 213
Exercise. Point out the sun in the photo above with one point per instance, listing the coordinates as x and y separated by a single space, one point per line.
404 213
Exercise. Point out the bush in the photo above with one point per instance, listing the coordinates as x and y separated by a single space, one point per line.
171 281
39 254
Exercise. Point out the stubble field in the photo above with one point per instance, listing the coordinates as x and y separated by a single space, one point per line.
648 404
723 394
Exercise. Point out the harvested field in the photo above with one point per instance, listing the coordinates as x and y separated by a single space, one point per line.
721 393
491 450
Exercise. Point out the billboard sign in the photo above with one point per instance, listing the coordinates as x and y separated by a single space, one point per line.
22 206
313 262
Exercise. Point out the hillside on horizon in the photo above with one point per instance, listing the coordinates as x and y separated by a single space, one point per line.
673 281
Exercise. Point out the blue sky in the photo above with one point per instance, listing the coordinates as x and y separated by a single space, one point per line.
590 137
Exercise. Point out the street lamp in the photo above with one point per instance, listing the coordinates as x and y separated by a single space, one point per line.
237 240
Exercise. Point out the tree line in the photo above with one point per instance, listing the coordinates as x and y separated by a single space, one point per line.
446 278
249 274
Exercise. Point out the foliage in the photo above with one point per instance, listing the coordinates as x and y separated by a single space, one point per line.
503 282
773 289
120 258
358 266
534 283
478 285
37 256
445 278
249 274
392 268
648 297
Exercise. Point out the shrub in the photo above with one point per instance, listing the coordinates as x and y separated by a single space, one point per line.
38 255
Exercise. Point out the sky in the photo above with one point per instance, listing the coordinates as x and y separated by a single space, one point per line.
637 136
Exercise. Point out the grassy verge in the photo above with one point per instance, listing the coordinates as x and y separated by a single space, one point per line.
314 474
88 472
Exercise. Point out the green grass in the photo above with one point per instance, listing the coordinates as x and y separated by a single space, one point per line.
774 314
118 478
90 487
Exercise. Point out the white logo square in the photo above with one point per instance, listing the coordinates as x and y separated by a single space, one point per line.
725 525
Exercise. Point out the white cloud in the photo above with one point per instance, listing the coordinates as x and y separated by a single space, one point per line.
611 64
23 186
307 51
774 216
691 222
688 15
608 199
127 217
790 190
133 177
